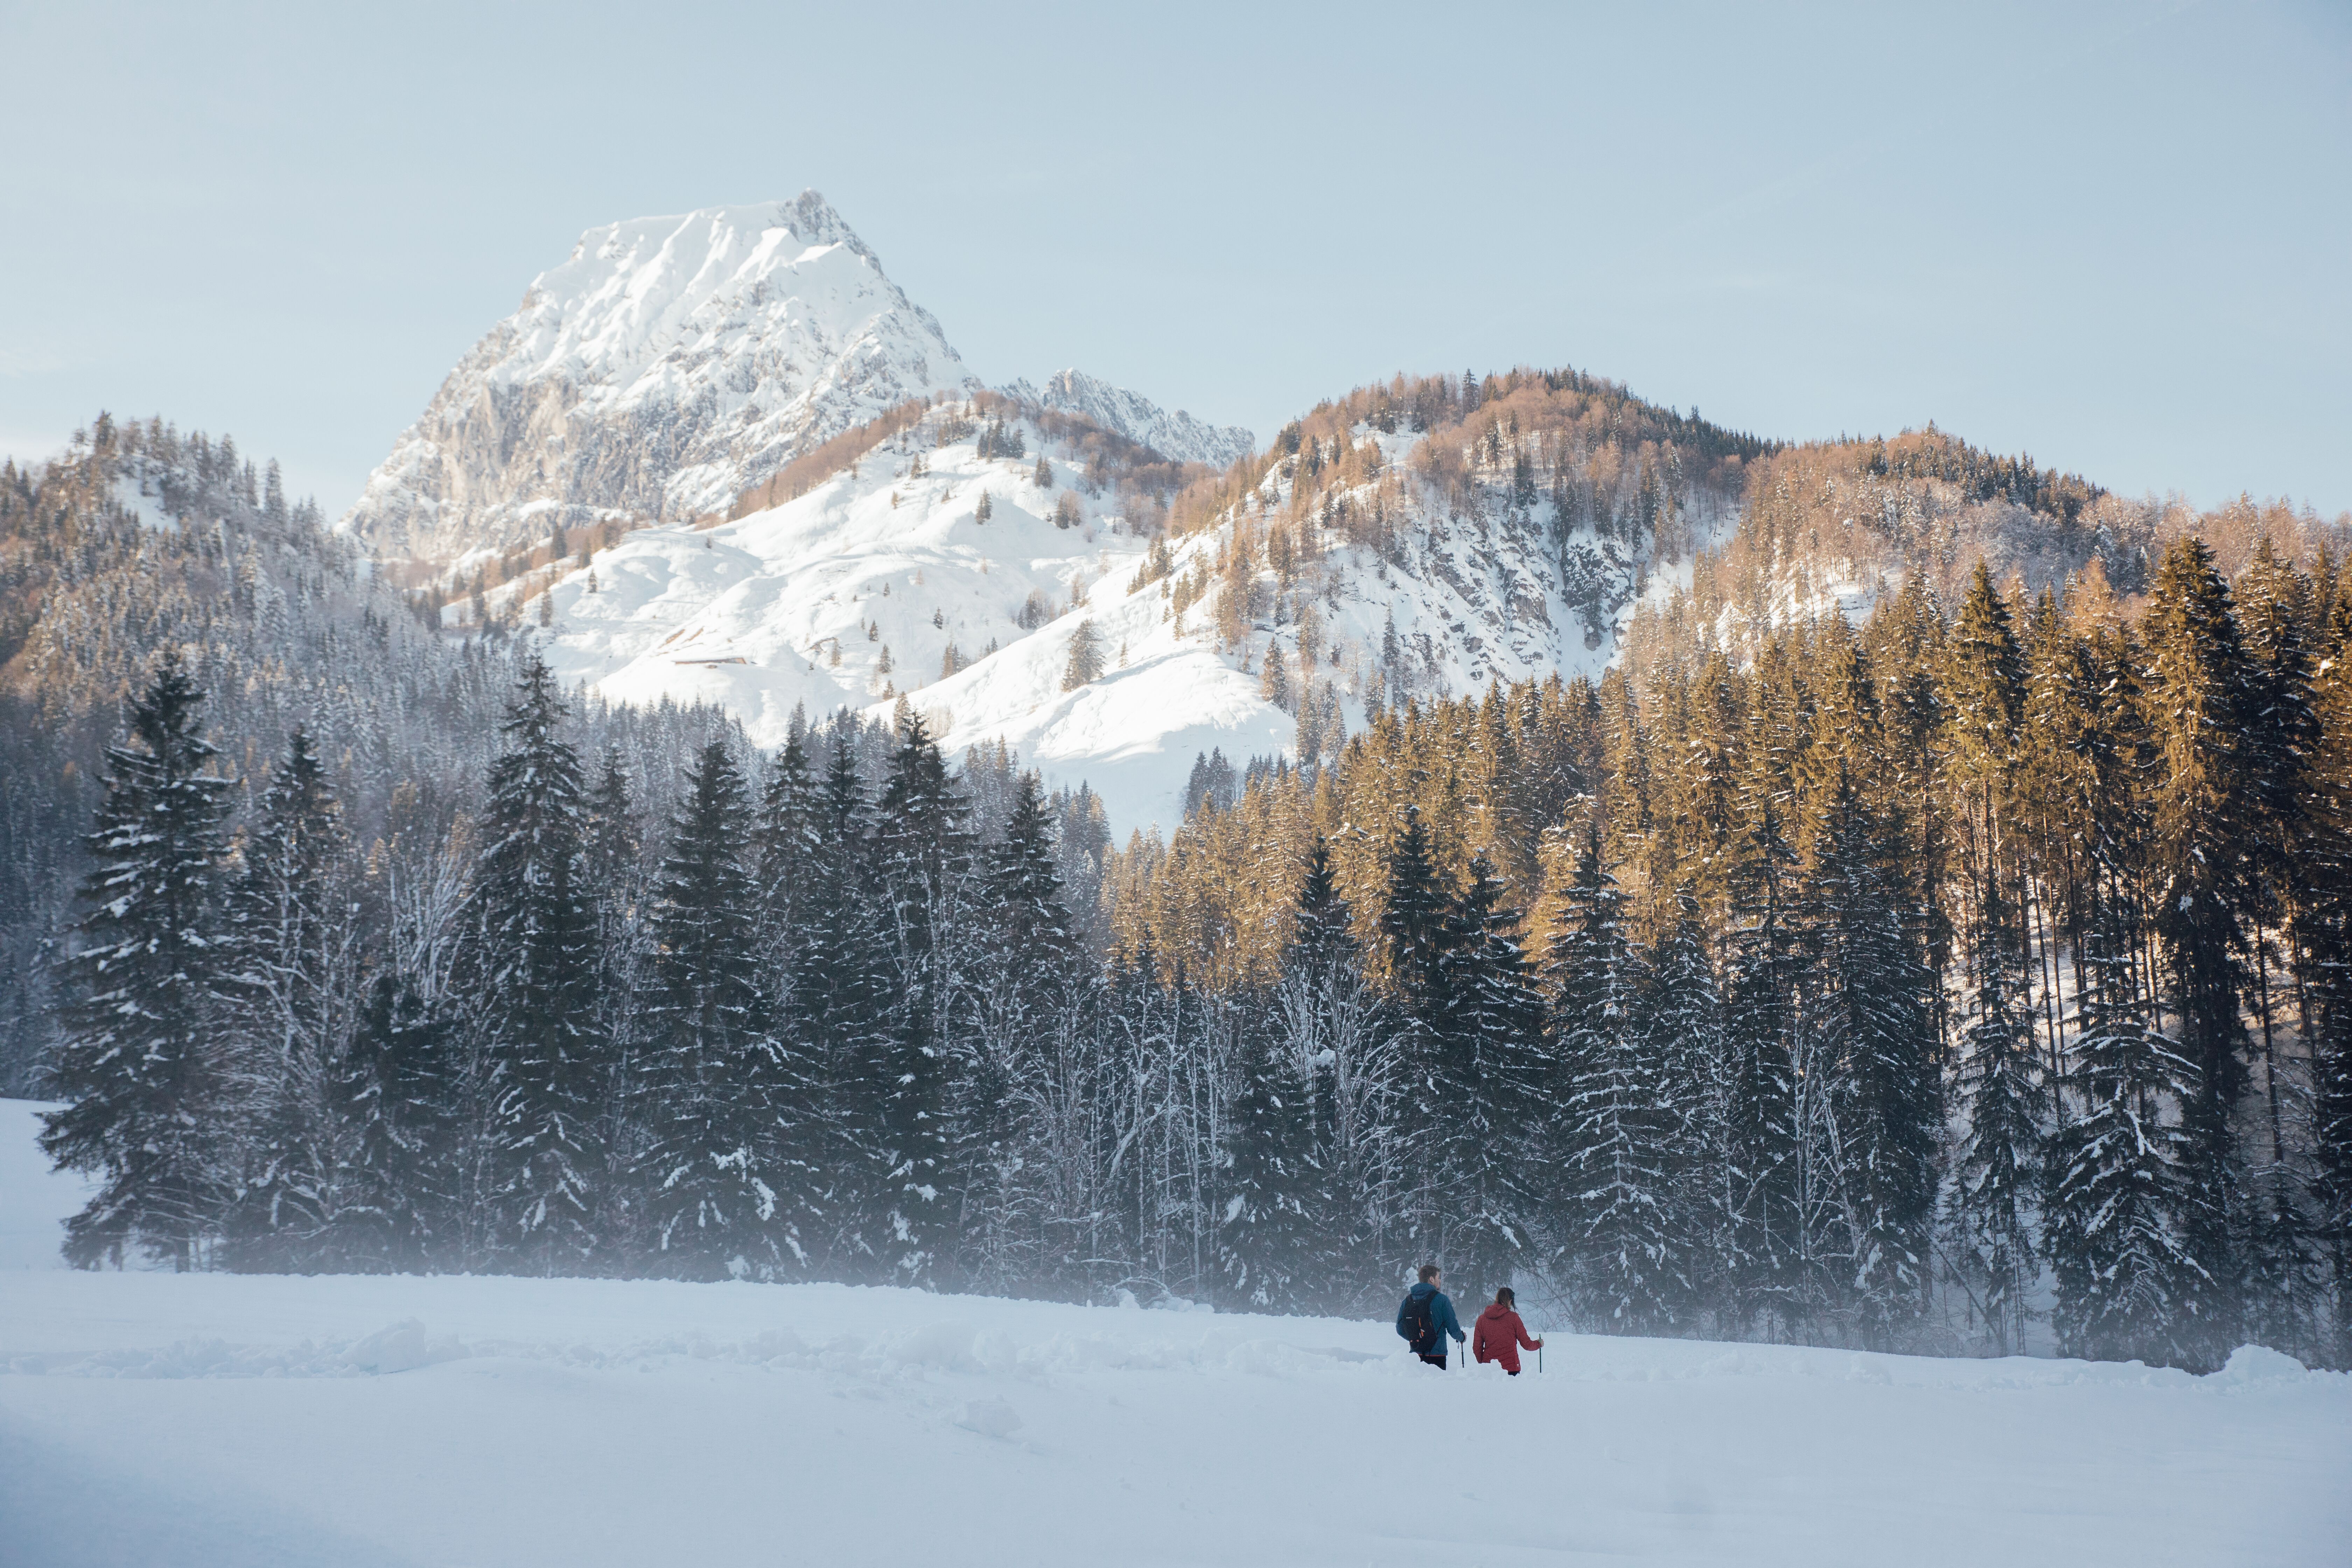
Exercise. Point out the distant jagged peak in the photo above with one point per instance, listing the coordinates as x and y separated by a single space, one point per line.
1180 435
664 366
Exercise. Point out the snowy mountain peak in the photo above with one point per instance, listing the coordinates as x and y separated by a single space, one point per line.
1131 414
667 364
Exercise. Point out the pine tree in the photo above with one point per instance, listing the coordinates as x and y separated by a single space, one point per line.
712 1072
1085 664
1334 1047
1268 1241
2197 683
1874 1130
138 1058
537 967
1616 1233
1681 1013
1017 992
1761 971
394 1092
838 985
922 859
2120 1192
2325 938
2001 1097
293 990
1482 1076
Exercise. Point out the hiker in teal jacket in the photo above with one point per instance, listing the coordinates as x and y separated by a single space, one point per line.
1426 1317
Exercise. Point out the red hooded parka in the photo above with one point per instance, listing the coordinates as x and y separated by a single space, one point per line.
1499 1335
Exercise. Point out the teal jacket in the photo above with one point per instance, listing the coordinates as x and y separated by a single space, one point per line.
1441 1312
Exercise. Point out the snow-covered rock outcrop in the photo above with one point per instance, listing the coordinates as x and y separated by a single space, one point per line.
665 367
1179 435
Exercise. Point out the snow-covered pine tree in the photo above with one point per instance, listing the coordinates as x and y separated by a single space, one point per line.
837 968
537 967
394 1092
1085 664
784 848
711 1072
922 863
1337 1042
138 1057
2119 1191
1681 1011
2281 741
2325 939
1616 1240
1274 1242
2002 1099
1486 1072
1872 1132
2196 685
293 990
615 885
1762 966
1015 1001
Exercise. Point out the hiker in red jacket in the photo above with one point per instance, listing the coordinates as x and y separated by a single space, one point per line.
1499 1334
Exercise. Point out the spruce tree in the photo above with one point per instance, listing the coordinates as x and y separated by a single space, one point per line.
1482 1077
1335 1046
536 966
1874 1055
2196 684
396 1093
1269 1240
711 1072
1762 968
293 992
1681 1013
138 1058
2002 1098
2121 1196
1616 1235
922 849
2325 938
839 981
1016 994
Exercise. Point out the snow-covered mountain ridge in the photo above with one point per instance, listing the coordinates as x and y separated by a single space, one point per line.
1178 435
670 364
1361 579
666 366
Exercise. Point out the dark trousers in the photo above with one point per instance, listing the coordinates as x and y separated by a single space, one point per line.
1436 1359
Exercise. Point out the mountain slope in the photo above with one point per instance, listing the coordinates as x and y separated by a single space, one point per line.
665 366
1131 414
1409 542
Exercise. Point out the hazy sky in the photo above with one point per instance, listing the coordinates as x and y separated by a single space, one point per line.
2116 236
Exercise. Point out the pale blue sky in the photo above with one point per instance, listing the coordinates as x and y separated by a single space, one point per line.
2116 236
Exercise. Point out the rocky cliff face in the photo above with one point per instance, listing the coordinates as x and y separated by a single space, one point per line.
668 364
1178 435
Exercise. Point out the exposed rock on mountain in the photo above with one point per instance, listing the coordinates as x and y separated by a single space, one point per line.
1131 414
665 367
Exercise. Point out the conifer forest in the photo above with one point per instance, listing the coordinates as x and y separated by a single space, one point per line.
1976 970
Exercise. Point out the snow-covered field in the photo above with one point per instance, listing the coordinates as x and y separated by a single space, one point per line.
150 1418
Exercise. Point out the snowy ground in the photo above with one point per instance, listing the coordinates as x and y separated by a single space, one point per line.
158 1419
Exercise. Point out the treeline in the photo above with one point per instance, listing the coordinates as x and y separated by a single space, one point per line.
142 537
1909 986
840 1020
